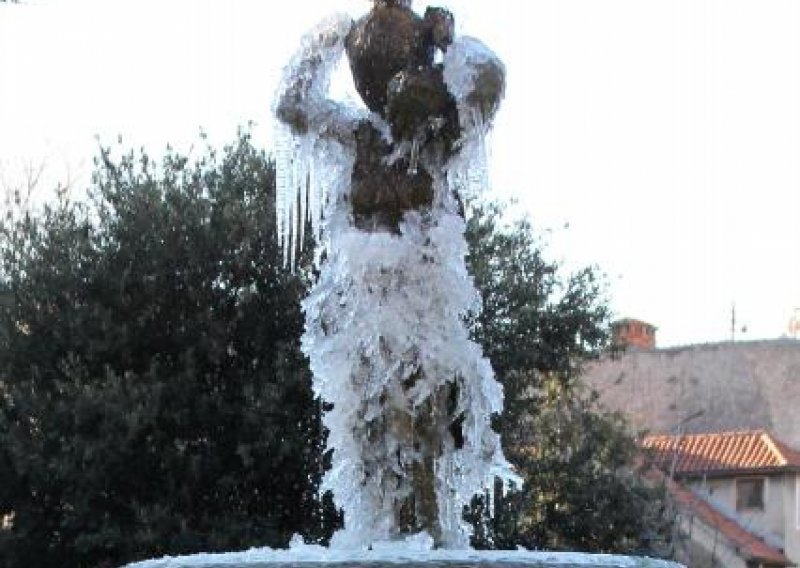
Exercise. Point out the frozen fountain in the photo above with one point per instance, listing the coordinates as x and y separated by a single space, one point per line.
412 395
382 186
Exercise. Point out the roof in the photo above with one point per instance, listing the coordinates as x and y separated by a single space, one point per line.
747 544
721 453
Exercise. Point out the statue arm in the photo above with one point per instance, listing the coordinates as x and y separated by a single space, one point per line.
302 103
476 78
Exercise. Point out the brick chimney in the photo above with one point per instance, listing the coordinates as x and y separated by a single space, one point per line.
633 334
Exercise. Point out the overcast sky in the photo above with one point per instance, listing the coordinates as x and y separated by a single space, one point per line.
664 133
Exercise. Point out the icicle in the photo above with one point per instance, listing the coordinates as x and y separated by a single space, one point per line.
468 170
413 160
306 157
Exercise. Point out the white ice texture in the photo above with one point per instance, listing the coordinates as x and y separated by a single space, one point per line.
467 170
387 307
405 553
313 168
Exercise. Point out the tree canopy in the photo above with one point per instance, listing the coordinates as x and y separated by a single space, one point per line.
539 327
154 399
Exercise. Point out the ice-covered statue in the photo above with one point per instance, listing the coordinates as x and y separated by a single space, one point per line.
411 394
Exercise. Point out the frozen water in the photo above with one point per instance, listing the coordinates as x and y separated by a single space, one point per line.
388 311
385 331
311 165
389 555
468 170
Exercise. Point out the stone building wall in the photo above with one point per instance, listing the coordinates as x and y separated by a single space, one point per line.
701 388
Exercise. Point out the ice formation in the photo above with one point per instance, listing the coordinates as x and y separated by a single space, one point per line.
467 170
313 168
387 311
409 552
385 330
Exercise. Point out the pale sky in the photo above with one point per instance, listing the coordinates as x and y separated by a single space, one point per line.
664 133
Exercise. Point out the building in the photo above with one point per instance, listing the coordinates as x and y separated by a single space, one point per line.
737 496
632 333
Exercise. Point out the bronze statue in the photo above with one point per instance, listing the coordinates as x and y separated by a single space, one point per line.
391 54
401 152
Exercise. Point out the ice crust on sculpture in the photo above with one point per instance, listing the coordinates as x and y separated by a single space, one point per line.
467 170
378 296
385 332
312 169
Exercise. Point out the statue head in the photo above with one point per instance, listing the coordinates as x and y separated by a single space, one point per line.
392 39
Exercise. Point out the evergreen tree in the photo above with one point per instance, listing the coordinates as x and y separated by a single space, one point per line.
539 328
154 398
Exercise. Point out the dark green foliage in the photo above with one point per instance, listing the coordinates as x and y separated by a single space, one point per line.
538 328
154 398
582 489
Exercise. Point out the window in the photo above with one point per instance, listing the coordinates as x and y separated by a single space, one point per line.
750 494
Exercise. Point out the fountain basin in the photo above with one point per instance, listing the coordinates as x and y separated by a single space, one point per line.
320 557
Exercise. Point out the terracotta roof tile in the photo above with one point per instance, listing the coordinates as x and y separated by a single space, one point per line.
720 452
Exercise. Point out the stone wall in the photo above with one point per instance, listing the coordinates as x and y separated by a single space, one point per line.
725 386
